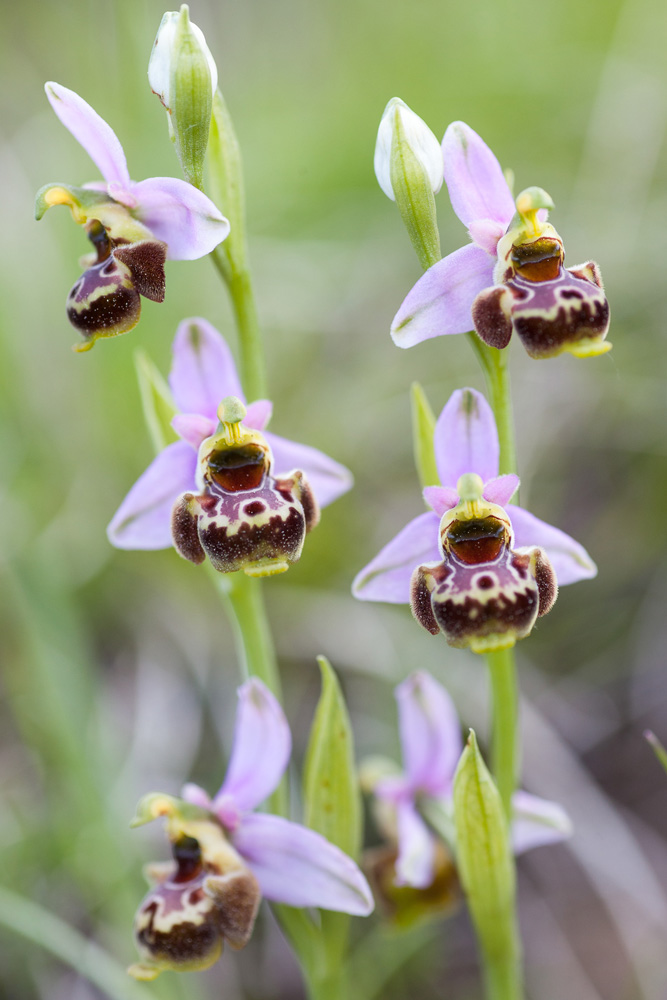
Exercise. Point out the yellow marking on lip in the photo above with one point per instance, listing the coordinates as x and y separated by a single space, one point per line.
588 348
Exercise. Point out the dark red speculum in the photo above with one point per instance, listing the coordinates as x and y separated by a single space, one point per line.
538 261
476 541
236 469
187 855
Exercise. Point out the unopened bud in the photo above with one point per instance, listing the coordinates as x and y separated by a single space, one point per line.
183 74
409 169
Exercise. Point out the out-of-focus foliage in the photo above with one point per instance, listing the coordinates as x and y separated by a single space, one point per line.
118 668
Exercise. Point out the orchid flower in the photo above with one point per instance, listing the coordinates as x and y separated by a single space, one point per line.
133 226
229 504
430 735
227 856
511 277
475 566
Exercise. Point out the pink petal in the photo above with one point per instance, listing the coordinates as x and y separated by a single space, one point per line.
486 233
196 796
181 216
441 301
569 559
416 848
202 370
474 178
297 866
193 427
97 138
536 822
387 577
430 734
329 479
143 520
259 414
262 745
502 489
440 498
466 439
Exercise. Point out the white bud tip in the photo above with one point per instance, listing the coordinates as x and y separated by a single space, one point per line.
419 137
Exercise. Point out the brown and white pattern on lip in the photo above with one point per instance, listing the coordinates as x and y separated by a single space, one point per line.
260 531
553 309
488 606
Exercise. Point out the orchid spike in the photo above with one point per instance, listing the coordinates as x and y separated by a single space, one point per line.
512 276
215 491
475 567
226 856
133 226
430 736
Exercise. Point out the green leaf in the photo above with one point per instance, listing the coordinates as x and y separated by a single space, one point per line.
486 864
332 804
423 429
156 402
332 799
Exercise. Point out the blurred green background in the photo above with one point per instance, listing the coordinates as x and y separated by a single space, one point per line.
118 668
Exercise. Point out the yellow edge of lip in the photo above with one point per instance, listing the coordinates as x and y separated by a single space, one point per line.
590 349
268 569
492 643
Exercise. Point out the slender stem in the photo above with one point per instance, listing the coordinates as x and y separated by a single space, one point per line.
505 732
41 927
251 350
494 364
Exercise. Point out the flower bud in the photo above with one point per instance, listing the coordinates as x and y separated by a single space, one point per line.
400 125
183 74
408 166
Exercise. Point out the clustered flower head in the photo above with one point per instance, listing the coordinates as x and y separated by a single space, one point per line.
431 744
512 276
228 489
134 226
475 567
226 856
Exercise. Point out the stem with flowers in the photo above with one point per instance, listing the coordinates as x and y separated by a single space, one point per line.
412 186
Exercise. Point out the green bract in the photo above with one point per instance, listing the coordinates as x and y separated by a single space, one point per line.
485 866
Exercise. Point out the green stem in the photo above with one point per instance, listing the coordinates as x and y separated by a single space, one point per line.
494 364
502 668
43 928
251 349
505 732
